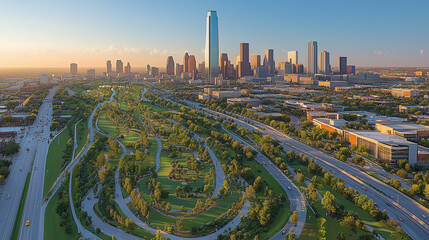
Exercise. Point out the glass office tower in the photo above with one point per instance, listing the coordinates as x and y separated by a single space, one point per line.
212 47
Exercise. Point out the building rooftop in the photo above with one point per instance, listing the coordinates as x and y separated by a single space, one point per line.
382 137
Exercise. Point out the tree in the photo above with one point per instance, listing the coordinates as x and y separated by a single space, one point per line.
290 236
328 202
300 177
394 183
294 218
168 207
158 235
348 223
10 148
250 192
402 173
257 185
341 236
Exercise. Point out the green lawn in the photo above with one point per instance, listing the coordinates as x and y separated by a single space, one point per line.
17 223
108 126
54 160
52 228
82 134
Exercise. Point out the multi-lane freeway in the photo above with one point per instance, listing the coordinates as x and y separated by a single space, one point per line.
31 158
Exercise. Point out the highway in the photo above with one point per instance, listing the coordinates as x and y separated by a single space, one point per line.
31 160
415 218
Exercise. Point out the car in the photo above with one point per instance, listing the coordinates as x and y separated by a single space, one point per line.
27 223
289 188
20 169
424 216
400 219
364 188
283 232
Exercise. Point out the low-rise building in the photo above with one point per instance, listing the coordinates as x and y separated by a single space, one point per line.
244 101
407 130
332 84
321 114
403 92
387 148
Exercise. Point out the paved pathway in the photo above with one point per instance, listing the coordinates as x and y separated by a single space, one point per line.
220 175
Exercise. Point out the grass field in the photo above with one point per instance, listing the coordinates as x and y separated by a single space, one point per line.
54 160
52 228
82 134
17 223
108 126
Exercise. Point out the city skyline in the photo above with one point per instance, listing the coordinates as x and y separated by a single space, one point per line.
86 41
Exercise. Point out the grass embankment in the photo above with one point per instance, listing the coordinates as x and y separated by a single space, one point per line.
17 223
54 161
332 226
53 230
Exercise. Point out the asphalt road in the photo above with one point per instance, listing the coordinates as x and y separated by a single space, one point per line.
38 138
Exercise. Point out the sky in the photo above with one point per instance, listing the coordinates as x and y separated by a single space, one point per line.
52 33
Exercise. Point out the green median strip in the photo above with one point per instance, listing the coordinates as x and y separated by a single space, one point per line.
17 224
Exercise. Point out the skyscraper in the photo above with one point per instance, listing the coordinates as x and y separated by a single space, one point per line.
192 64
223 61
148 69
186 62
109 68
128 68
212 47
170 65
325 66
119 66
244 64
292 57
179 69
269 60
90 73
201 68
342 65
255 61
73 68
311 57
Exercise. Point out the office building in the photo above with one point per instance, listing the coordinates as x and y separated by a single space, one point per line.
73 69
255 61
342 65
284 68
298 68
292 57
154 71
403 92
269 61
119 66
223 61
407 130
186 63
201 68
128 68
192 64
90 73
325 66
148 69
170 65
312 57
179 69
109 68
244 64
351 69
212 47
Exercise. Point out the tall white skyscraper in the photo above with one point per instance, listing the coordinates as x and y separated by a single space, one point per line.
325 65
292 57
212 47
312 57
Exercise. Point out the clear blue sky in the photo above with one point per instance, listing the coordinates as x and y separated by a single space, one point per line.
55 33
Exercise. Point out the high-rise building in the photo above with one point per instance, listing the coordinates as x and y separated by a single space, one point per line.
269 60
298 68
179 69
109 68
325 66
292 57
201 68
223 64
255 61
186 62
212 47
119 66
342 65
90 73
285 68
244 64
128 68
170 65
312 57
73 68
148 69
154 71
192 64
